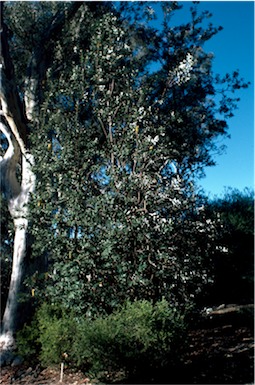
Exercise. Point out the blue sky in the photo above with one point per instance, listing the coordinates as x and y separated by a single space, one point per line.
233 48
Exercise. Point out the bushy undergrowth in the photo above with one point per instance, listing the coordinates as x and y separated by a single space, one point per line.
28 343
48 337
140 335
137 336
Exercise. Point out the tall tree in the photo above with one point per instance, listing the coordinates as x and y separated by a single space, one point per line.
100 136
124 213
26 46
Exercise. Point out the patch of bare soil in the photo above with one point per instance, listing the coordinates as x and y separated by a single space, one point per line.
220 355
38 376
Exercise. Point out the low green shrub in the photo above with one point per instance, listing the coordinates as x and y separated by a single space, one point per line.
58 332
139 336
49 336
27 340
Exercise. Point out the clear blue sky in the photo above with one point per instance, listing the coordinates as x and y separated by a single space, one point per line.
233 48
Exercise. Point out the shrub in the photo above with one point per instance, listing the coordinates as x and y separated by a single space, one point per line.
139 336
58 332
27 340
49 336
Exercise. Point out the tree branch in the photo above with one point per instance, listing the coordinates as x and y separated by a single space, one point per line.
41 58
11 110
8 165
58 21
11 104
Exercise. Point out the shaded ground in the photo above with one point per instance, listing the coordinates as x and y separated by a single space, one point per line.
220 351
220 355
38 376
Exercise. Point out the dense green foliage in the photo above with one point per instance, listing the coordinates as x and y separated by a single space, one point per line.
117 149
140 336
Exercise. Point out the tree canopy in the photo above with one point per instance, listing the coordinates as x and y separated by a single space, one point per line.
120 119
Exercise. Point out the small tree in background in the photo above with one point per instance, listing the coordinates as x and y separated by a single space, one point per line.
233 264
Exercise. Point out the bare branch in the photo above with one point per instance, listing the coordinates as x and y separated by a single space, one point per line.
10 101
8 165
102 126
10 104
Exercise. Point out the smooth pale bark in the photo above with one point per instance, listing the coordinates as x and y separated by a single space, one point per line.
14 127
16 124
18 195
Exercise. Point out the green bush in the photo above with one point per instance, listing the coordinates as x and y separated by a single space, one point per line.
27 340
49 336
58 332
139 336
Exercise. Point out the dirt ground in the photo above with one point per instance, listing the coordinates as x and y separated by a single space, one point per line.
39 376
219 352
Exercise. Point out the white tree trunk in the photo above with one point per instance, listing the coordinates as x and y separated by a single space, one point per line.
10 314
16 130
17 195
